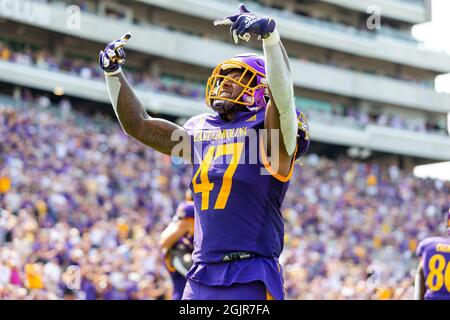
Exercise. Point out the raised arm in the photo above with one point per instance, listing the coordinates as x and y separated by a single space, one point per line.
159 134
281 112
174 231
154 132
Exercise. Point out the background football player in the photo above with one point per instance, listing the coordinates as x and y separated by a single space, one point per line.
433 274
239 229
176 244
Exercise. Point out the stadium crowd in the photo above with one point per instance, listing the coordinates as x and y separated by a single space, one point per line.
82 208
349 114
45 60
86 68
352 116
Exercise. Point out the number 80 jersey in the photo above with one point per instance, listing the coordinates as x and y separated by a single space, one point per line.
237 194
435 254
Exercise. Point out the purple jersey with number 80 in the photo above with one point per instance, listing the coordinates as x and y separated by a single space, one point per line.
435 254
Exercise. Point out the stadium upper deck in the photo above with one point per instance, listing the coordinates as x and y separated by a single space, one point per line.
335 60
409 11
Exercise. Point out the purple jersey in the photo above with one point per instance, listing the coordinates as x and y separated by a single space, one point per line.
435 254
238 200
185 211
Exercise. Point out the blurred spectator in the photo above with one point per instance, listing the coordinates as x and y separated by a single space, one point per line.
89 70
89 200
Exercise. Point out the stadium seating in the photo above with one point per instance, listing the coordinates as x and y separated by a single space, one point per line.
92 197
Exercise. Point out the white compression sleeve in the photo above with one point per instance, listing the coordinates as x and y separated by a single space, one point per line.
113 84
417 285
282 89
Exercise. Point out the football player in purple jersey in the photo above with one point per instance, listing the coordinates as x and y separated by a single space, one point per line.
176 243
239 228
433 274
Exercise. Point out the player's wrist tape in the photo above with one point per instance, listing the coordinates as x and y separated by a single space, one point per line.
272 39
113 73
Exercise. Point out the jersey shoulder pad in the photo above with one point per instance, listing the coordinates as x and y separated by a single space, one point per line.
424 244
197 122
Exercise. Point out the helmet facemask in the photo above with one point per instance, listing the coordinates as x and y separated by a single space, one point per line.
253 85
